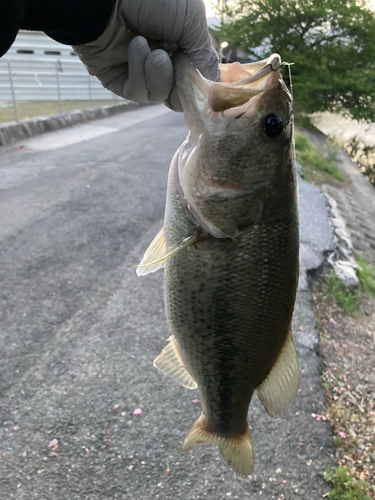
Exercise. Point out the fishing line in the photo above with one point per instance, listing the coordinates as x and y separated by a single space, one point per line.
290 77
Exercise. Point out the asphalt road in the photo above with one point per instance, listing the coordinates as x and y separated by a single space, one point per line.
79 332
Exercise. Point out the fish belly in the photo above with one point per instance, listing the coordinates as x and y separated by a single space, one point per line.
229 305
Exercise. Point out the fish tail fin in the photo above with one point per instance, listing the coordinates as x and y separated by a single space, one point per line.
236 450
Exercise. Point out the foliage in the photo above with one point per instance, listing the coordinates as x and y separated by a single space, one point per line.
333 147
364 156
29 109
330 42
302 142
303 121
366 275
309 157
348 299
345 487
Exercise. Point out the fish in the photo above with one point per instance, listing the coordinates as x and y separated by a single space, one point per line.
229 248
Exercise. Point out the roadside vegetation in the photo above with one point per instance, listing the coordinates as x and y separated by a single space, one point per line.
366 275
31 109
317 168
350 299
346 324
331 45
345 487
364 156
303 121
346 298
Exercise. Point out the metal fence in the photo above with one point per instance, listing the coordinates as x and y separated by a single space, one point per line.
37 68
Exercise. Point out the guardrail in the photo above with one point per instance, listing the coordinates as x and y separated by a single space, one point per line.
38 79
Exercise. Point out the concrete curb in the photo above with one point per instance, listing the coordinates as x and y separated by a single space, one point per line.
12 132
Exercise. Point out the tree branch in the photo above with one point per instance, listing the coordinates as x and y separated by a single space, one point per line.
326 39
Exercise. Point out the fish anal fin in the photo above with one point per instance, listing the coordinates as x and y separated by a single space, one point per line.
280 387
170 363
157 252
237 451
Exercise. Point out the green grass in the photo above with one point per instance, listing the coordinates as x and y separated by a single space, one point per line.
345 487
304 121
347 299
30 109
312 161
366 275
302 142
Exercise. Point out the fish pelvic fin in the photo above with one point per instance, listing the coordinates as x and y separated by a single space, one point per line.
237 451
170 363
280 387
157 253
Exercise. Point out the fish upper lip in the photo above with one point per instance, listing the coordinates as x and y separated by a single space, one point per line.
273 63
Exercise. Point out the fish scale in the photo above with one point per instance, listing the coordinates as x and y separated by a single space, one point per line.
229 248
231 301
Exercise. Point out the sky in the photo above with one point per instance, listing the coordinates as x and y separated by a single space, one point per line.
209 11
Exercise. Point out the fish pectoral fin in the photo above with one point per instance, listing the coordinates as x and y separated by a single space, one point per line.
170 363
151 260
157 252
236 450
280 387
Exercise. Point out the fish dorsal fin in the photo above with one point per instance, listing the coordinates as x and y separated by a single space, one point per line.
157 252
170 363
236 450
280 387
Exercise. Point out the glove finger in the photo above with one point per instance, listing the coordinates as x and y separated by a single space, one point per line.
159 75
195 41
117 84
135 87
173 102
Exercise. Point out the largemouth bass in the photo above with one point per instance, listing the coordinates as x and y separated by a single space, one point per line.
230 251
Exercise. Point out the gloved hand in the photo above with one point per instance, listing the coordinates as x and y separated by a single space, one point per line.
132 57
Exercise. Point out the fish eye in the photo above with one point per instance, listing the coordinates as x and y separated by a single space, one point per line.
273 125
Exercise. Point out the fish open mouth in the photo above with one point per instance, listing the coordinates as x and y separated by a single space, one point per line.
240 83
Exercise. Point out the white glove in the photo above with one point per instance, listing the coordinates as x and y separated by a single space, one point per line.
132 57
